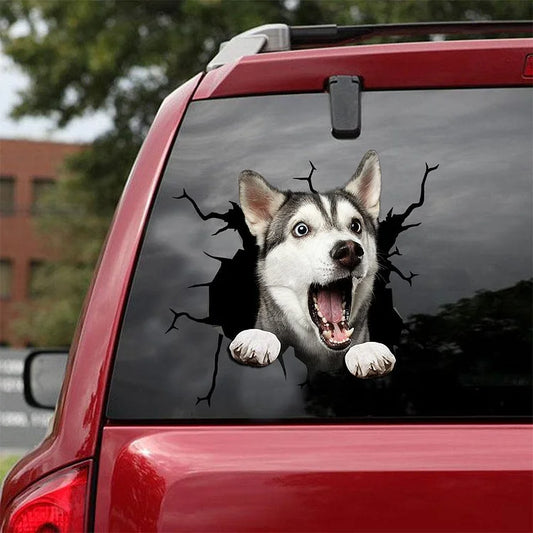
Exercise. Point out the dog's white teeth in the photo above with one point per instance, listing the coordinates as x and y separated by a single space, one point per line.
324 319
327 334
319 313
349 332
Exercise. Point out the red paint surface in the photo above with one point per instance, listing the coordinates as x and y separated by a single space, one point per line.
79 414
497 63
316 478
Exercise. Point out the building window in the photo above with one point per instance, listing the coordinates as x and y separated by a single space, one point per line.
35 286
41 188
6 278
7 195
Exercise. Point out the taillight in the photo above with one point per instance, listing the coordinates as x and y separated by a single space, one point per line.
56 504
528 67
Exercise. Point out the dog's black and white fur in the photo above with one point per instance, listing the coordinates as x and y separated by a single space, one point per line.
316 268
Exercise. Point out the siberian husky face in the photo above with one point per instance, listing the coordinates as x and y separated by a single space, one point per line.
317 258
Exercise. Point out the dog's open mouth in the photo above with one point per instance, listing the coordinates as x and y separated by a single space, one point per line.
329 307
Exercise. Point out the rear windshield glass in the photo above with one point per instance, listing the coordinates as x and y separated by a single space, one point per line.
286 274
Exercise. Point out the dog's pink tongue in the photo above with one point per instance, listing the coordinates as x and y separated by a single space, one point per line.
338 333
330 304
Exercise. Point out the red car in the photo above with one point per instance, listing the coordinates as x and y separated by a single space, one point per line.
159 428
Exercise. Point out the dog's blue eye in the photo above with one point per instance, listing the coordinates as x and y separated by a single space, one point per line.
300 230
356 226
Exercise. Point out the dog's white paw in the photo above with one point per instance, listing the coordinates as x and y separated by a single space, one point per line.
255 347
370 359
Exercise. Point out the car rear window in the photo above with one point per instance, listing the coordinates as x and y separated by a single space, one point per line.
453 294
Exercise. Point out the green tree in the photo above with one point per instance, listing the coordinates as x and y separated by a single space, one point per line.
124 57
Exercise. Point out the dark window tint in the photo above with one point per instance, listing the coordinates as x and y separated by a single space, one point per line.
41 189
457 310
6 278
7 195
36 279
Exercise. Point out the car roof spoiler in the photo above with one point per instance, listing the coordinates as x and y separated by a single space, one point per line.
281 37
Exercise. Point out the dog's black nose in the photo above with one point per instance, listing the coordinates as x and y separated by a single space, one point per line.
347 253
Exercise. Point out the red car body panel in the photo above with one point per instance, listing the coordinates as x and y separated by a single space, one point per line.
315 478
280 477
387 66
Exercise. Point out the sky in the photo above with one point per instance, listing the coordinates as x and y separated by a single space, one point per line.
13 80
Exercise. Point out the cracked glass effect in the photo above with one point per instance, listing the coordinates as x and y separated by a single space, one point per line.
460 277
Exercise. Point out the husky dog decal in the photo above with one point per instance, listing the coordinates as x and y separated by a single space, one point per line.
315 272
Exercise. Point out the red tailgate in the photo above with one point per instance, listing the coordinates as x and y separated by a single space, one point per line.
316 478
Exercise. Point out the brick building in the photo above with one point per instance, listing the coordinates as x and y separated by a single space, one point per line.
28 169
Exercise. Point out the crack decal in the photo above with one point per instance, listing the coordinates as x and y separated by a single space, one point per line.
234 312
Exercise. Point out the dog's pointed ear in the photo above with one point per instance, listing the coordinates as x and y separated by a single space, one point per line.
259 202
365 184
